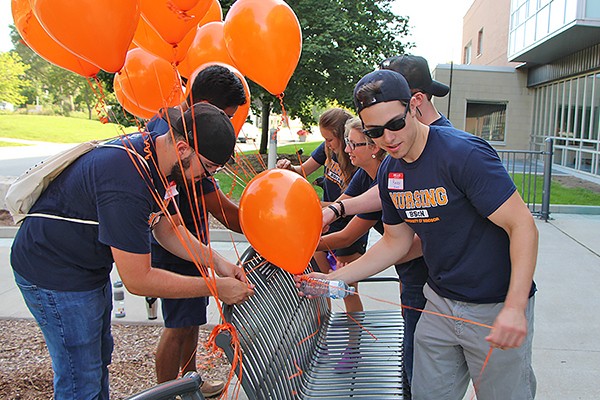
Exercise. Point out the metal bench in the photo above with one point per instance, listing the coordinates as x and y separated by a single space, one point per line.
185 388
297 348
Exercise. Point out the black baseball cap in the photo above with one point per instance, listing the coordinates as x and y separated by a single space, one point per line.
207 129
416 71
390 86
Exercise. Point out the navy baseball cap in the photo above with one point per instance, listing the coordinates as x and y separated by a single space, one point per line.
387 86
416 72
207 129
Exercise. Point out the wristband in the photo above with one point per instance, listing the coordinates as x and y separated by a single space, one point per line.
335 211
342 209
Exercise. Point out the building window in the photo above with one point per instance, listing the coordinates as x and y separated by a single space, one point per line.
480 42
487 120
467 54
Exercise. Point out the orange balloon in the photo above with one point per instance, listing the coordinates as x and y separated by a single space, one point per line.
148 39
171 23
214 13
184 5
239 118
38 40
240 115
128 104
97 31
208 46
264 40
150 82
280 215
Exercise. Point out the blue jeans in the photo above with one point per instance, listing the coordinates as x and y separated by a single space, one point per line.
412 296
76 327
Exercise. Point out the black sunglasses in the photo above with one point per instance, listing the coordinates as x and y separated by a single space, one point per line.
354 145
394 124
207 173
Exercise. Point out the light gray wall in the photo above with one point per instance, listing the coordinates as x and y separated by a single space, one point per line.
487 83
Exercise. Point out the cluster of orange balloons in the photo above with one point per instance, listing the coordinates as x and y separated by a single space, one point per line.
151 44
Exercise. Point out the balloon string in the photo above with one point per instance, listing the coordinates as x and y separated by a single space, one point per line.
284 115
478 380
237 361
297 374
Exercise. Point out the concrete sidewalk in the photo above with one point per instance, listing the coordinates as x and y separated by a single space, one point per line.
566 352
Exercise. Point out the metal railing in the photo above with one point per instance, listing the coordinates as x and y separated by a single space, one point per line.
532 172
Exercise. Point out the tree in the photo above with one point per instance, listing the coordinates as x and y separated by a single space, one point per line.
12 72
342 41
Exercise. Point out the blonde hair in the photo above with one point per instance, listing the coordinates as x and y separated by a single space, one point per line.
356 124
334 120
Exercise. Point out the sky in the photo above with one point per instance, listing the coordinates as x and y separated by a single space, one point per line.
436 27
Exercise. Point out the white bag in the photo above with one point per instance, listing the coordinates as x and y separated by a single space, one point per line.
28 187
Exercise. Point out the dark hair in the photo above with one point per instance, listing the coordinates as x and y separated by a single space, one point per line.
368 91
334 120
219 86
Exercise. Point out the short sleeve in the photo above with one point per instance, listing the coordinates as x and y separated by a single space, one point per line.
319 155
485 181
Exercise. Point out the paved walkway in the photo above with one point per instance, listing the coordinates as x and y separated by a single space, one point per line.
566 352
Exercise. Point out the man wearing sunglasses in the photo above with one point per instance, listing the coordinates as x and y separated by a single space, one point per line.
412 274
175 353
478 238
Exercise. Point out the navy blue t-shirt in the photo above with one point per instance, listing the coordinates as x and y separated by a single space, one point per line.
446 196
157 124
334 179
413 272
105 186
441 121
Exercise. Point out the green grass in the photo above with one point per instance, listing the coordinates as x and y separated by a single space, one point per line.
559 194
226 182
10 144
55 129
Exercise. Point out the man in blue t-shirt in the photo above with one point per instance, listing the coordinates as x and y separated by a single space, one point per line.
103 209
478 238
412 274
176 351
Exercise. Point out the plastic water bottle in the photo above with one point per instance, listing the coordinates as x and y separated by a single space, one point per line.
325 288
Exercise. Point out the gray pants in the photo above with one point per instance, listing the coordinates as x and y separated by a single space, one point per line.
449 353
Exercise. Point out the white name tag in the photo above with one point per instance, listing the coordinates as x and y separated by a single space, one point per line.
171 191
396 181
